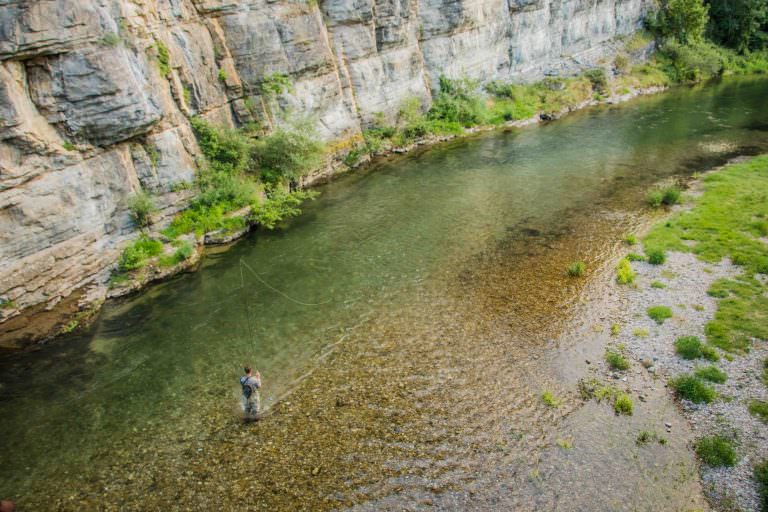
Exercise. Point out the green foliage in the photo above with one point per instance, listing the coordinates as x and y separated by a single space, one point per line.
624 272
722 224
163 58
577 269
280 205
759 409
646 436
615 329
68 146
658 284
709 353
630 239
691 63
111 39
222 75
135 255
6 303
623 404
276 84
656 256
716 451
765 371
659 313
182 253
636 257
640 332
597 78
141 207
226 150
616 360
712 374
354 155
666 196
690 387
549 399
681 20
760 475
688 347
288 153
739 24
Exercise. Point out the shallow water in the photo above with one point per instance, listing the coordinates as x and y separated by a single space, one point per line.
404 327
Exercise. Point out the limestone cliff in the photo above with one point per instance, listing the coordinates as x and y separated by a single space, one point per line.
95 96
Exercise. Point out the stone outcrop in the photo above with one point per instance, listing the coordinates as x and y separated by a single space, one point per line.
95 97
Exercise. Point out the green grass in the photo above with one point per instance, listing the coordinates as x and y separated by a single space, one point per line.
615 329
163 58
577 269
759 409
624 272
182 253
646 436
640 332
623 404
765 371
688 347
549 399
67 145
690 387
616 360
633 256
656 256
725 223
658 284
663 196
135 255
659 313
630 239
760 474
716 451
711 373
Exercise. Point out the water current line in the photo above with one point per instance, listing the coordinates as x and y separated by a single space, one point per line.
257 276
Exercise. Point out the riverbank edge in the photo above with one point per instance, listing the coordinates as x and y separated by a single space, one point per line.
683 282
67 317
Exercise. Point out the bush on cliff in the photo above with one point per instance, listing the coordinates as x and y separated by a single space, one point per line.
136 254
141 207
288 153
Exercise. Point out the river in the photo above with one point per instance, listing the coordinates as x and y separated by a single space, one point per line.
404 325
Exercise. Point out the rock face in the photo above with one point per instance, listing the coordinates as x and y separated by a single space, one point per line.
95 97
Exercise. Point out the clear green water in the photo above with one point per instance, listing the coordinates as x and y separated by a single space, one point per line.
473 230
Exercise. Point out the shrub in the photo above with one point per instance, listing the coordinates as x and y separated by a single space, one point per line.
712 374
222 75
716 451
654 198
690 387
623 404
630 239
682 20
458 102
656 256
709 353
738 24
577 269
616 360
288 153
759 409
621 63
134 256
688 347
226 150
276 84
280 205
624 272
163 58
691 63
670 196
141 207
659 313
597 78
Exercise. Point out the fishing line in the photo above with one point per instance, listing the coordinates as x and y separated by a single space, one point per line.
257 276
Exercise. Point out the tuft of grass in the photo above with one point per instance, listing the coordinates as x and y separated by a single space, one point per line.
222 75
710 353
659 313
68 146
615 329
658 284
624 272
141 207
549 399
640 332
716 451
663 196
758 409
163 58
765 371
690 387
577 269
111 39
630 239
135 255
616 360
656 256
646 436
633 256
623 404
712 374
565 444
688 347
182 253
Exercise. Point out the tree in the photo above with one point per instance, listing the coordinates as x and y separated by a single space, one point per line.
682 20
739 24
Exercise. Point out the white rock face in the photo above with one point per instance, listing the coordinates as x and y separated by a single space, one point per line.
88 114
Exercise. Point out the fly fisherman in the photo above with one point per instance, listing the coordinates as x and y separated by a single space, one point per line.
251 384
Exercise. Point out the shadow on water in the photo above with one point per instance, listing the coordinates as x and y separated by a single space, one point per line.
403 320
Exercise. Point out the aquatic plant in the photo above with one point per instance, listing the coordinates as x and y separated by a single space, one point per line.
577 269
690 387
716 451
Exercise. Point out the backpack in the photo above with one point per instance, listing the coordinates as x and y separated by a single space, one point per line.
247 388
